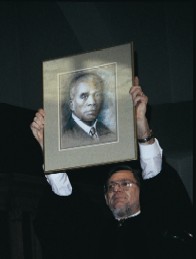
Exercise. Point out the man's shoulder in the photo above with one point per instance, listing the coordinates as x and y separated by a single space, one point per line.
73 129
70 124
102 129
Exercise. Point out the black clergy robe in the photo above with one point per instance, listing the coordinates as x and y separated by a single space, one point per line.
81 225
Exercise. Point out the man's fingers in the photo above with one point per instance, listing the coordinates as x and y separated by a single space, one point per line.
136 81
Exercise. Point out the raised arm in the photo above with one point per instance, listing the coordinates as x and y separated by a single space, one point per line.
140 101
150 150
59 182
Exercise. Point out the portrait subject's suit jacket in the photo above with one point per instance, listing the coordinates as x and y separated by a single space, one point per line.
73 135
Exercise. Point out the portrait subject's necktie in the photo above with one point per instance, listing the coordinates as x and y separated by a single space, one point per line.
93 133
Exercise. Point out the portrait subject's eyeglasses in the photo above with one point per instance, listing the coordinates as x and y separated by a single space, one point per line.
123 185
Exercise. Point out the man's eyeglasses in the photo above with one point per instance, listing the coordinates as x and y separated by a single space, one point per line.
123 185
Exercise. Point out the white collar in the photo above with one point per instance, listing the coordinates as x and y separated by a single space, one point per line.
85 127
133 215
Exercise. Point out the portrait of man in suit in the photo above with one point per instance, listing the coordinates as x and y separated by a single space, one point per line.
83 124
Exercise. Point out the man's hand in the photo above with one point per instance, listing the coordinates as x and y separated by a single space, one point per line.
37 126
140 101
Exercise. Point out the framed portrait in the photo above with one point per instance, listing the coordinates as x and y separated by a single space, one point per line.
89 114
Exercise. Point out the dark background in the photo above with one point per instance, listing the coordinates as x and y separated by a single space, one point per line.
34 31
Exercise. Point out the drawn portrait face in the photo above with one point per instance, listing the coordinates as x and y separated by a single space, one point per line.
86 98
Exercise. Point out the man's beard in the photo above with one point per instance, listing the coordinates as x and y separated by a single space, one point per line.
122 212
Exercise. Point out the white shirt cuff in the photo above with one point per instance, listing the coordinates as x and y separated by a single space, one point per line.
150 159
60 183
